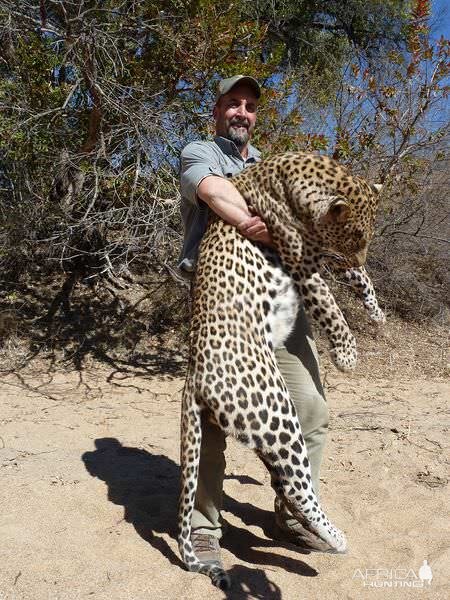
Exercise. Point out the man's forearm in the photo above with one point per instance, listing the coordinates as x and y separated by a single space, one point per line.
224 199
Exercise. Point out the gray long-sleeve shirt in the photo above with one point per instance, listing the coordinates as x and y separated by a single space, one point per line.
199 160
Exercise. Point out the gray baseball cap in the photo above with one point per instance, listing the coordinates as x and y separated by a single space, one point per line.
227 84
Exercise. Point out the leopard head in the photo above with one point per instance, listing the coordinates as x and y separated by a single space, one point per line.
343 224
334 211
311 199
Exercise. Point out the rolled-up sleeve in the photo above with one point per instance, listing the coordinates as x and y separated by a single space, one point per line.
197 162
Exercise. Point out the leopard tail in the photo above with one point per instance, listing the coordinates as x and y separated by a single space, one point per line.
191 437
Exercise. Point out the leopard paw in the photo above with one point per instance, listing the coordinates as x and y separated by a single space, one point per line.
377 315
344 357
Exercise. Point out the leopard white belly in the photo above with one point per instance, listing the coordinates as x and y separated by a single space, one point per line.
283 307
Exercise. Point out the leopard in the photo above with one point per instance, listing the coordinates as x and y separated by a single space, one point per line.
245 300
359 280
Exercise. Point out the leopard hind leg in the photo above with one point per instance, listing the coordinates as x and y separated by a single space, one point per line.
289 467
191 438
276 437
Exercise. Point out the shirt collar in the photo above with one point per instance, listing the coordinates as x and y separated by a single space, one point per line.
229 147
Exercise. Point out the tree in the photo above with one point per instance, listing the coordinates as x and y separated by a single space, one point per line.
98 98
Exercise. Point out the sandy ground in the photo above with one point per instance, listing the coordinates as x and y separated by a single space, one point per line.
89 475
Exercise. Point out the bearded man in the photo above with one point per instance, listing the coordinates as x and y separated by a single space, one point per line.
206 167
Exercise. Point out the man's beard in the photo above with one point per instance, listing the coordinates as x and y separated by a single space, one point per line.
239 136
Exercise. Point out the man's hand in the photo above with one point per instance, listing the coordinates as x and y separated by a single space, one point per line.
256 230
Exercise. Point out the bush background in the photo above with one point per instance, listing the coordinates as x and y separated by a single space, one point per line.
98 99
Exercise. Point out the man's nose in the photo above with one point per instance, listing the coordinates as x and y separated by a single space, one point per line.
241 110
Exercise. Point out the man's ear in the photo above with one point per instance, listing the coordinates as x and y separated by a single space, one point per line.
337 211
376 187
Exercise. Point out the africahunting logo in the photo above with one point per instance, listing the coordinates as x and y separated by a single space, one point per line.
395 578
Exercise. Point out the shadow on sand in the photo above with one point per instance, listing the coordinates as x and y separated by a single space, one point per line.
146 485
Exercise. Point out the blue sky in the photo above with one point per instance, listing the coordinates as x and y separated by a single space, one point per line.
440 25
440 18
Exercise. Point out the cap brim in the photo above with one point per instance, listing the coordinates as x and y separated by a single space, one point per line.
250 82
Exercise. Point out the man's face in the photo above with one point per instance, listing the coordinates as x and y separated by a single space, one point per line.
235 115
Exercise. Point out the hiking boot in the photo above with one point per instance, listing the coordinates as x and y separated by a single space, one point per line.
206 548
303 539
288 529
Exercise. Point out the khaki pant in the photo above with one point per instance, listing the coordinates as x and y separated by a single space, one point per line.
298 363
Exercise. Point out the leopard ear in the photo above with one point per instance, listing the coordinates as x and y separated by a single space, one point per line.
337 212
376 187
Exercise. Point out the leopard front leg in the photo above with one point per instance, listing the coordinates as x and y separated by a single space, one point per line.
322 307
360 281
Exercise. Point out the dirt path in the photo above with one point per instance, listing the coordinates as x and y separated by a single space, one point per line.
89 482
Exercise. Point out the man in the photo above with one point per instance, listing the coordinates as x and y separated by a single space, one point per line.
205 169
